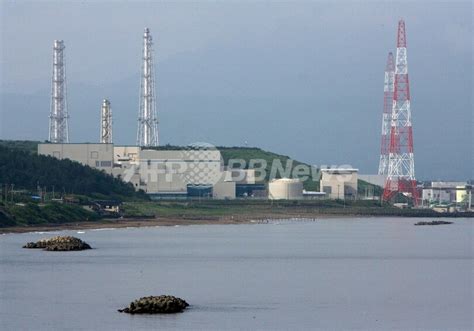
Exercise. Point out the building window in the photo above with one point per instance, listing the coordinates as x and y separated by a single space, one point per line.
105 163
94 155
327 189
97 163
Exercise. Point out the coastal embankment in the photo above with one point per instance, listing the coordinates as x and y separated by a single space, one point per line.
172 213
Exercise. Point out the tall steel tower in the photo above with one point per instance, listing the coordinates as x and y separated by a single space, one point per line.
147 133
387 114
58 117
106 122
401 164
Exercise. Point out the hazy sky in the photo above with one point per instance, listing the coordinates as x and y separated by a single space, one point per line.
303 79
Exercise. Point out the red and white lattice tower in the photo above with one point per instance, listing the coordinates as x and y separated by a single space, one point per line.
387 114
401 164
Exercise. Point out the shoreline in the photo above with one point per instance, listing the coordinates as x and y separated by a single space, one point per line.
152 222
120 223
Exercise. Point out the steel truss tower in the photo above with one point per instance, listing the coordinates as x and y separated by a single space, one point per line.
387 114
106 123
58 117
401 165
147 133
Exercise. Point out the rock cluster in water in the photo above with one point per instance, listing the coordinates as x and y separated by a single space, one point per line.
59 243
162 304
433 223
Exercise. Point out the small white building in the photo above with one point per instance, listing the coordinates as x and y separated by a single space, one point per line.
223 190
339 183
464 196
441 192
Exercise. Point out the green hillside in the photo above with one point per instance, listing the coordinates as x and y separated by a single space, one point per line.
30 146
26 171
252 153
27 214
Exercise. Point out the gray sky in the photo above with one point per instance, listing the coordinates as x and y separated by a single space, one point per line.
303 79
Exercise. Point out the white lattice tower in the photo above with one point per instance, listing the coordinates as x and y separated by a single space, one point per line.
58 117
106 122
387 114
147 133
401 164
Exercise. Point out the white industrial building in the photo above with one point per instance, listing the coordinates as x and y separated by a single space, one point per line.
100 156
378 180
160 173
285 189
442 192
339 183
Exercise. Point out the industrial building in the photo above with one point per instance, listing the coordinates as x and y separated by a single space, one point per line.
446 193
100 156
339 183
163 173
285 189
441 192
378 180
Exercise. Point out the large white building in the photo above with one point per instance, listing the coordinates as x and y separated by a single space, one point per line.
100 156
157 172
339 183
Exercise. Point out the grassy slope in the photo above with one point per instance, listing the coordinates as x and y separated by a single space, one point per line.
260 209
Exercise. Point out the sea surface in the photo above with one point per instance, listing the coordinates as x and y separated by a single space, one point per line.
328 274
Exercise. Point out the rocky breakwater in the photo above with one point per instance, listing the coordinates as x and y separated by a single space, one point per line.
433 223
59 243
162 304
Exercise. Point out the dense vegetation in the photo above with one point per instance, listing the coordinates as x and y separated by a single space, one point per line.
36 214
26 170
23 145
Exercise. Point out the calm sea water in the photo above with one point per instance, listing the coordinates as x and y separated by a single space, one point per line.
329 274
